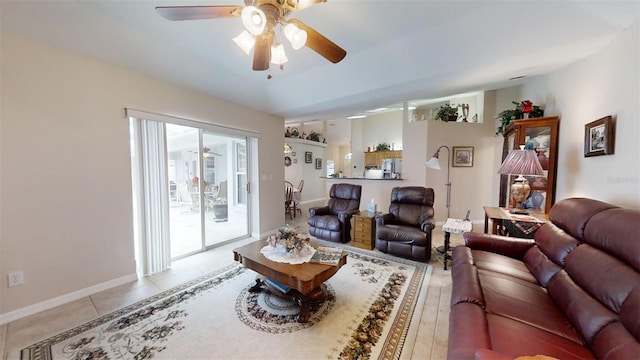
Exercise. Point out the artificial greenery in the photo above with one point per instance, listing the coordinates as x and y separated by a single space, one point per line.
446 112
314 136
507 116
383 147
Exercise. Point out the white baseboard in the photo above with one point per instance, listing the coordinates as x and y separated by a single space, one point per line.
64 299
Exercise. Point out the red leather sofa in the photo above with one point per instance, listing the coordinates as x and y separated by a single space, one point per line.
573 292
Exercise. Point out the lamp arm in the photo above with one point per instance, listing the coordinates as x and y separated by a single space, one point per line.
448 181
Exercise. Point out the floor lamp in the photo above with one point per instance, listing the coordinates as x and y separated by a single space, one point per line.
433 163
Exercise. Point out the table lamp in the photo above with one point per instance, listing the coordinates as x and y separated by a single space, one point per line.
433 163
521 162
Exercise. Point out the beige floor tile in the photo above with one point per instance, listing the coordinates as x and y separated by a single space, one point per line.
121 296
3 339
26 331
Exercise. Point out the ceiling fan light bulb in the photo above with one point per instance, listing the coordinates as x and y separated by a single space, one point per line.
297 37
245 41
278 55
253 20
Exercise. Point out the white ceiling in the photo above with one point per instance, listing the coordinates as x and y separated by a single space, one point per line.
396 50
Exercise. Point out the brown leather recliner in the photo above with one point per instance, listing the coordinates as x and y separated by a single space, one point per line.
332 222
406 230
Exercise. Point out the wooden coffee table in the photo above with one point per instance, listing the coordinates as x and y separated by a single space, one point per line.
306 280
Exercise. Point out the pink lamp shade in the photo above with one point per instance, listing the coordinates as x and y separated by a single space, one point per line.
521 162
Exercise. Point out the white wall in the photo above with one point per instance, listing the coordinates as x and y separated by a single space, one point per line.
314 184
65 167
604 84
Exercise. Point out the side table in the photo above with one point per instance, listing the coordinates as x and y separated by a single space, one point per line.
457 226
364 229
500 216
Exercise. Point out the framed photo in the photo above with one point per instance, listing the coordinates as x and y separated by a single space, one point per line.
287 161
462 156
293 153
308 157
295 161
318 163
599 137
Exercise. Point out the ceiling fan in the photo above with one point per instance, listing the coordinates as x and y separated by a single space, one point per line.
260 18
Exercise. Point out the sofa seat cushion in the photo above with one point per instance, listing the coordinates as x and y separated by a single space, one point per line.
526 303
326 222
489 261
405 234
516 338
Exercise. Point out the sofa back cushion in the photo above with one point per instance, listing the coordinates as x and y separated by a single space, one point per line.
411 205
572 215
344 197
598 288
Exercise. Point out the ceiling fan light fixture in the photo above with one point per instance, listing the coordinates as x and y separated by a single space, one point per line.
297 37
278 56
245 41
253 20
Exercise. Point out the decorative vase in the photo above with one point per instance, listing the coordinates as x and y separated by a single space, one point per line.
536 200
544 160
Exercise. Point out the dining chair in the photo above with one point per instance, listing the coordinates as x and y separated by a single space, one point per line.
289 207
298 198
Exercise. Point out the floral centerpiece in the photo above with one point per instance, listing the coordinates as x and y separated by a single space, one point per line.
287 240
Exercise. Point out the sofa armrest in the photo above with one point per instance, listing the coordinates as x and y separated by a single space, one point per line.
503 245
486 354
319 210
384 219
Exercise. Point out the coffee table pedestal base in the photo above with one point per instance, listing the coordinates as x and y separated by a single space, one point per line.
319 294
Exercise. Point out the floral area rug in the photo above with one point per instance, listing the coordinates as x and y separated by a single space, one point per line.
368 314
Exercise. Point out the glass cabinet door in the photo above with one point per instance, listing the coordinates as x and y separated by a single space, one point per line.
539 135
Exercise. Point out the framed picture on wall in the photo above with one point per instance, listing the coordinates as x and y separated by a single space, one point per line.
599 137
318 163
308 155
462 156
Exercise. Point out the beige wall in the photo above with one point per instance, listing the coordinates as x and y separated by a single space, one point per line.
470 186
66 216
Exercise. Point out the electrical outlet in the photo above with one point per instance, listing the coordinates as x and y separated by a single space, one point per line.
16 278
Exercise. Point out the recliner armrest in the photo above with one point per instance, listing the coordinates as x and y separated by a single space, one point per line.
504 245
384 219
345 215
319 210
428 225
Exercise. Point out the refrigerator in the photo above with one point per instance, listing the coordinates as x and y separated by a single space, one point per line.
391 168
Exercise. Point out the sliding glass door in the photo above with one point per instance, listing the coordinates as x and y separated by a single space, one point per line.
183 170
225 210
205 195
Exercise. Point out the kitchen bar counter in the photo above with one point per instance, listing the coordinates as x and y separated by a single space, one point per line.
356 178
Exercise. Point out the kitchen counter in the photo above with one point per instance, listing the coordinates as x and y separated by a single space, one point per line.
356 178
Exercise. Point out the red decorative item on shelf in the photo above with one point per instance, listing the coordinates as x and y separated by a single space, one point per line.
526 106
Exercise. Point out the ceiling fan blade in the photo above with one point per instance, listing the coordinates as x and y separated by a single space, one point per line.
303 4
320 44
262 52
198 12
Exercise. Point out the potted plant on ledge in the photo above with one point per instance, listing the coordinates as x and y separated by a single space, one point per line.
446 112
518 112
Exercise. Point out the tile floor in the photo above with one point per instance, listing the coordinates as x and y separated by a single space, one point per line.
431 339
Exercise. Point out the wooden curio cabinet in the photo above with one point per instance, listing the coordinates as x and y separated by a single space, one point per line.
541 135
